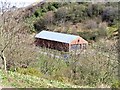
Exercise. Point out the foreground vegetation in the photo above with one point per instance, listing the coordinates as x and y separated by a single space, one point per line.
12 79
94 66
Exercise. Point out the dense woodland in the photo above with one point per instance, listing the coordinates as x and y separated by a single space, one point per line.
97 23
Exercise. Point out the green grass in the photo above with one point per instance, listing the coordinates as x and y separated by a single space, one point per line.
13 79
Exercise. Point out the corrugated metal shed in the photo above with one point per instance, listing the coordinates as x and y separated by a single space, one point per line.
54 36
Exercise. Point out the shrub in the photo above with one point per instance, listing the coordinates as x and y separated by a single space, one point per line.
60 78
40 25
48 18
29 71
102 30
61 13
116 85
89 35
110 15
110 32
76 13
91 24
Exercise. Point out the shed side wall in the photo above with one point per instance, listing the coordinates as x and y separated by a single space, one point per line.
52 44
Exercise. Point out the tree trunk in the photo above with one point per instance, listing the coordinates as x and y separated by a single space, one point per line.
4 60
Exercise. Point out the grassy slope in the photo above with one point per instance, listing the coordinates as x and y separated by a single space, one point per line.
13 79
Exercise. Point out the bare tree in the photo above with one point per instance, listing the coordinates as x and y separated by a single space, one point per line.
4 28
14 49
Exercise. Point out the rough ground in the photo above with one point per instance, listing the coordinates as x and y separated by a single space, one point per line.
13 79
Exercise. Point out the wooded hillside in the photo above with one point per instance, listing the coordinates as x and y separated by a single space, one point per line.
88 20
97 23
